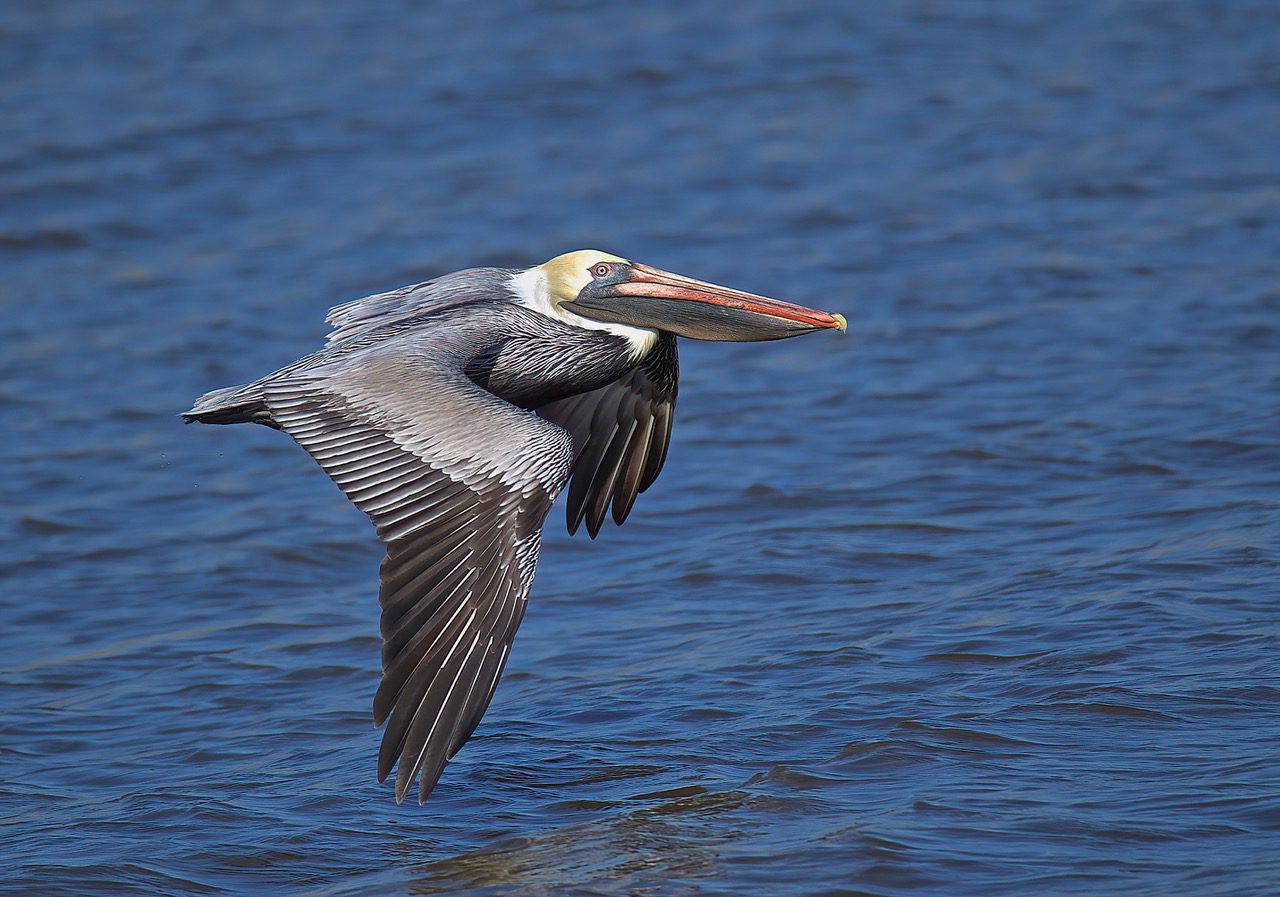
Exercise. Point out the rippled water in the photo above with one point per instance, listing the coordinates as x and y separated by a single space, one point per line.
981 599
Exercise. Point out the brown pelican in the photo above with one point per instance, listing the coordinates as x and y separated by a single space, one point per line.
453 412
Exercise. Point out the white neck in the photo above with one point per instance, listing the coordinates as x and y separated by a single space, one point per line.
532 291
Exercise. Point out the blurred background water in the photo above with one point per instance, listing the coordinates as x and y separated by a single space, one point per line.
981 599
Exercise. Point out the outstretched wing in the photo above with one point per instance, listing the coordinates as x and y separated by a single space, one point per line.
458 483
620 434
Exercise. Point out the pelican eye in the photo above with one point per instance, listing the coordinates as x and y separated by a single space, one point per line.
601 270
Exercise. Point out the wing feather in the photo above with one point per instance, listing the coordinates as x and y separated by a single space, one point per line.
620 432
458 487
635 457
356 318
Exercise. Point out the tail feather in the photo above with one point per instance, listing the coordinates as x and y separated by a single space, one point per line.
231 405
245 404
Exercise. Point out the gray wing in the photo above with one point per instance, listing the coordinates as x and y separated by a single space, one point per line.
458 483
355 318
620 434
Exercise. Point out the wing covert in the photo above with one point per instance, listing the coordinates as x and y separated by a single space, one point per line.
354 318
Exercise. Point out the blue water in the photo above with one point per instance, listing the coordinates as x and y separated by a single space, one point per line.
980 599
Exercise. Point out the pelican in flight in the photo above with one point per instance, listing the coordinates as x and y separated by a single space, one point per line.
453 412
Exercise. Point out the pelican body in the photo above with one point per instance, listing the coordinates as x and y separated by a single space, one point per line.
453 412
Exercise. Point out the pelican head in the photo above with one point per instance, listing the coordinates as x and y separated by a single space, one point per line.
613 290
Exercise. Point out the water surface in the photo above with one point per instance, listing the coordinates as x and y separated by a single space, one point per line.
980 599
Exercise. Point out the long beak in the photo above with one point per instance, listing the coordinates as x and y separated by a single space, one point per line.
649 297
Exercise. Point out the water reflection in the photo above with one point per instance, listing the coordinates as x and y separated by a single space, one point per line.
672 837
